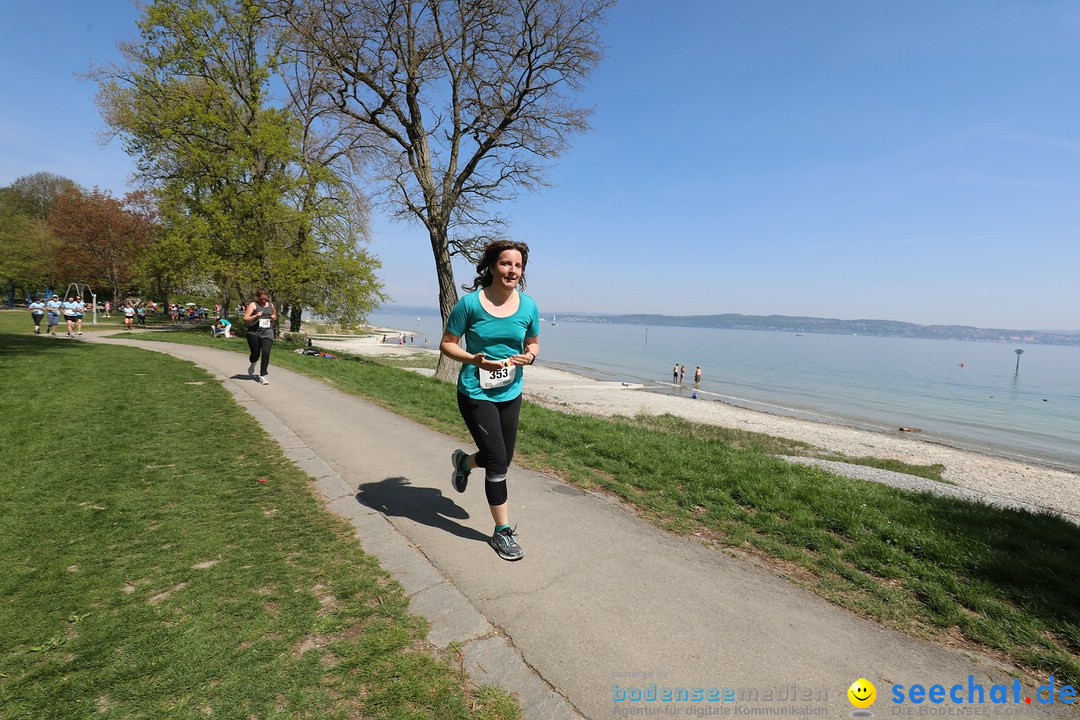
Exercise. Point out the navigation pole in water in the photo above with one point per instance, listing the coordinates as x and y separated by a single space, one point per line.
1018 352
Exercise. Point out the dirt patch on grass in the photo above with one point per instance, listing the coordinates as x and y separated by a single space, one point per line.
162 597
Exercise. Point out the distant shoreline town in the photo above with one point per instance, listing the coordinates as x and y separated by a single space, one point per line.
796 324
832 326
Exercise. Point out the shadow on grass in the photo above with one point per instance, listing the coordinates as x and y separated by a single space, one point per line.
30 344
397 497
1032 560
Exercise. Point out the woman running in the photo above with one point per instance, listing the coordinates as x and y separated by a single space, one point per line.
53 308
259 318
501 327
37 311
80 312
69 306
129 315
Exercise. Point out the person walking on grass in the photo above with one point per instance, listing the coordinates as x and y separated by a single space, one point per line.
501 326
53 308
259 318
37 311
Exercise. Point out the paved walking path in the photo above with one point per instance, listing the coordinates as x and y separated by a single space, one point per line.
602 601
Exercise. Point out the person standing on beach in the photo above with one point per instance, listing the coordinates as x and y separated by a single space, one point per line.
682 373
259 318
697 375
501 326
675 373
37 311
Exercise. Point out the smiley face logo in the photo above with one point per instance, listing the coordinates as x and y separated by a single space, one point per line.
862 693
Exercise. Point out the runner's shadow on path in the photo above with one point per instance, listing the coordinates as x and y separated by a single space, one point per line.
397 497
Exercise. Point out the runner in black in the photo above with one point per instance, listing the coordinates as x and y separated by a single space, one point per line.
259 318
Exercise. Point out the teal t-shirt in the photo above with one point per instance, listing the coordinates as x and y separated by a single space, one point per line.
497 338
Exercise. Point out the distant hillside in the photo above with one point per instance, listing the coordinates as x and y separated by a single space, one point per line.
832 326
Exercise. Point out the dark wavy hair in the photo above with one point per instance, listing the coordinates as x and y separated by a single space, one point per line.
492 251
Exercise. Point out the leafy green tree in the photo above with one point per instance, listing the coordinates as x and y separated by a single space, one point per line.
25 247
464 102
234 187
35 195
334 275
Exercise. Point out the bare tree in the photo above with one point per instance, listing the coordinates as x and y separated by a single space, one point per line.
469 101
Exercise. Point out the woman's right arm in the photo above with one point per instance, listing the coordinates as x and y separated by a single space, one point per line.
250 313
451 348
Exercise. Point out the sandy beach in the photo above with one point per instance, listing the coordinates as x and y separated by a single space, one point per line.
993 477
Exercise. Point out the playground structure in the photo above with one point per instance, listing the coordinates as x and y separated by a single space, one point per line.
85 291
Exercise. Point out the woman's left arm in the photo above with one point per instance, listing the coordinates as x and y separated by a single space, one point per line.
528 356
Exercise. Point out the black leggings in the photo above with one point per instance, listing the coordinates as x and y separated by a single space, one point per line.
259 345
493 426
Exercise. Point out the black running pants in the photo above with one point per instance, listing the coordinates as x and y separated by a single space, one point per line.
260 345
493 426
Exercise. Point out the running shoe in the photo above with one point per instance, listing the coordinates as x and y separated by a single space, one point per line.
504 543
460 478
263 380
251 369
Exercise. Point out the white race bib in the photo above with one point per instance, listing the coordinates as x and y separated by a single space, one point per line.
491 379
264 323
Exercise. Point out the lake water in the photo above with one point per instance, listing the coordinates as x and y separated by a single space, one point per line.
967 394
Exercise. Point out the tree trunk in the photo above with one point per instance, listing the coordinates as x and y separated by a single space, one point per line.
447 369
296 317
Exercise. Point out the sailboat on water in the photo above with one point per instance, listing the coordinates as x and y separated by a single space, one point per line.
553 323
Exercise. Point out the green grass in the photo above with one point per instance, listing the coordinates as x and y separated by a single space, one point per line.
146 572
1004 580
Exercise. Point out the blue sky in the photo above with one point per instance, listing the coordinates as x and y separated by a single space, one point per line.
915 160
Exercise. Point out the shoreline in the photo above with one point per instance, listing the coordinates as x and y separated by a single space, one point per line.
987 471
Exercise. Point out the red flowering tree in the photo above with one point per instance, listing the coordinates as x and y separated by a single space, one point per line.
100 237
